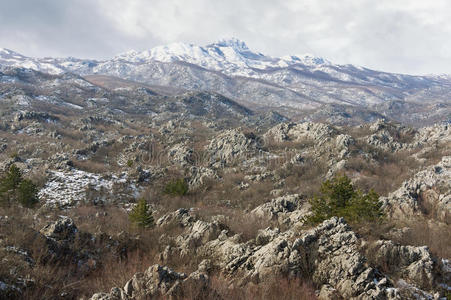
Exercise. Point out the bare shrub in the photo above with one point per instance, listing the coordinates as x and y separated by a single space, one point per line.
273 289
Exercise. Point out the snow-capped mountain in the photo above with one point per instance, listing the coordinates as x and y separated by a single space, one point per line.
290 84
229 56
232 57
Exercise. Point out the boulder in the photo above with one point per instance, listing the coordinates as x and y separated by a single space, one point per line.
62 229
429 191
230 146
288 210
158 282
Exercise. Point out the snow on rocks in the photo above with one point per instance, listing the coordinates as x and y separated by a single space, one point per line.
67 188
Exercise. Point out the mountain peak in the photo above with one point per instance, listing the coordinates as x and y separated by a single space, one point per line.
5 51
232 42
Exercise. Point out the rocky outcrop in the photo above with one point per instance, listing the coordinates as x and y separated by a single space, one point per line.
181 154
287 210
415 264
429 191
62 229
32 115
61 161
195 235
199 176
159 282
436 134
329 253
181 216
298 132
229 146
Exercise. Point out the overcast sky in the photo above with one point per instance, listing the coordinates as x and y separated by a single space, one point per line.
406 36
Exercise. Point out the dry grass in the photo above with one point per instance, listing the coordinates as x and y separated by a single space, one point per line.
91 166
272 289
385 175
423 232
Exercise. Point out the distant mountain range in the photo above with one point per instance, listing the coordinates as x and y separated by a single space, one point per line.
300 87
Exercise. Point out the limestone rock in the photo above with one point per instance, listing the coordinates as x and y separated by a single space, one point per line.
158 281
413 263
229 146
298 132
430 188
198 176
62 229
181 216
181 154
288 210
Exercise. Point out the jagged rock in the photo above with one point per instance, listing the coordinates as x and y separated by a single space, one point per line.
198 176
61 161
199 233
330 252
385 135
266 235
334 168
436 134
298 132
344 140
334 259
287 210
429 189
62 229
327 292
259 177
413 263
297 159
32 115
385 141
230 146
158 281
181 154
378 125
181 216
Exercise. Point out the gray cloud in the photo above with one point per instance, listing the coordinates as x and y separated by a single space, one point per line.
408 36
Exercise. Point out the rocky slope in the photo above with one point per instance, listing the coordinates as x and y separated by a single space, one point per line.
229 189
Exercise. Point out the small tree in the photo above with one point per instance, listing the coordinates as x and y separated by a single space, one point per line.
27 193
141 216
177 187
12 178
339 198
14 187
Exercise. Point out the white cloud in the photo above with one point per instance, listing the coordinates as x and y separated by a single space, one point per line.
401 36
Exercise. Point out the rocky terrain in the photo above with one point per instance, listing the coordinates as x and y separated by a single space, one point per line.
230 186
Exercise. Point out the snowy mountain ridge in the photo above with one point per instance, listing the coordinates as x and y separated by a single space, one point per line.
230 56
290 85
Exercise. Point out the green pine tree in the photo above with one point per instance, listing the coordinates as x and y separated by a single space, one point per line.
338 197
13 187
141 216
27 193
176 187
12 178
